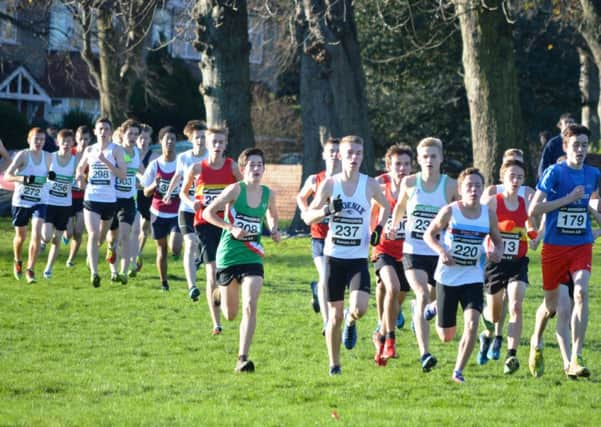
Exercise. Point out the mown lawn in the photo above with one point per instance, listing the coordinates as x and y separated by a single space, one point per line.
133 355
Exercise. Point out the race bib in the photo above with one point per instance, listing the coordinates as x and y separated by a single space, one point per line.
465 251
100 174
250 224
572 220
128 183
400 234
61 186
32 193
420 220
346 231
210 194
511 245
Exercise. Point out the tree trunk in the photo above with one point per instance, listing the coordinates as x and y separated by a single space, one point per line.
490 82
589 93
591 32
222 39
332 82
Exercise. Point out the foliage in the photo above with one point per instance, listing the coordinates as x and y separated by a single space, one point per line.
168 95
13 131
75 118
132 355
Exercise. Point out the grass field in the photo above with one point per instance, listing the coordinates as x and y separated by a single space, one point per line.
133 355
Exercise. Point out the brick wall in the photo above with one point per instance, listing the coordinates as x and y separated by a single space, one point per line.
285 180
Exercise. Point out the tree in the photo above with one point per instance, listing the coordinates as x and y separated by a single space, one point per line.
332 83
491 82
222 39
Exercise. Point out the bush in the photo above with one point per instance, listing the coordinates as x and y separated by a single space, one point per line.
75 118
15 126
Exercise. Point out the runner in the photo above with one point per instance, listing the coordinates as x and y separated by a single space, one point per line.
75 225
240 252
60 178
28 171
211 176
567 244
120 234
163 216
104 162
319 230
510 276
346 198
421 196
460 269
185 161
391 284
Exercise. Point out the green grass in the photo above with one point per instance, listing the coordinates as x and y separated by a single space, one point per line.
132 355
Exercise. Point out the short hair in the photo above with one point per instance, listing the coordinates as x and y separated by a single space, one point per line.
245 154
103 120
332 140
351 139
146 128
510 163
129 123
430 142
467 172
82 130
218 130
564 117
397 149
165 130
575 130
34 131
512 152
64 133
193 125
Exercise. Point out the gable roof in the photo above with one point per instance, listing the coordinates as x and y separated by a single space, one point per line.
19 84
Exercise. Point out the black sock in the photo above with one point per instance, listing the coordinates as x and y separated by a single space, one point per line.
499 338
242 358
511 352
390 335
424 356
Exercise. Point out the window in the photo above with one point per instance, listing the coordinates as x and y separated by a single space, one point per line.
183 42
161 28
255 36
63 33
8 30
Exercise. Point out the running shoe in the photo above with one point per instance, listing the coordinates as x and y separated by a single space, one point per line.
458 377
47 274
194 293
30 276
314 297
349 335
245 366
494 352
111 255
512 364
577 369
536 362
114 277
132 273
482 358
400 320
428 362
377 338
379 356
65 240
18 269
139 263
122 278
165 286
390 349
95 279
430 311
217 330
69 264
335 370
216 296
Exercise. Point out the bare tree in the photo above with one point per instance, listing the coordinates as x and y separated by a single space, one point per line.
591 32
222 39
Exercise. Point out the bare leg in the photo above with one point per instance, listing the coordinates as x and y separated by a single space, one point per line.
251 289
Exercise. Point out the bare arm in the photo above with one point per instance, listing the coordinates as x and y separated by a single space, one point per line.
120 170
227 197
273 218
540 206
16 165
319 207
236 171
302 198
378 196
184 193
401 206
495 236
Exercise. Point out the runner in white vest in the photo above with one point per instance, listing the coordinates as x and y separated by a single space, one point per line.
346 198
105 162
28 171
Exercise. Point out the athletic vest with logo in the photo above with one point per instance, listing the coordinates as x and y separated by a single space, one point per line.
319 230
126 188
101 181
59 190
249 250
394 248
28 195
158 207
185 161
422 208
464 239
209 184
512 225
348 233
569 225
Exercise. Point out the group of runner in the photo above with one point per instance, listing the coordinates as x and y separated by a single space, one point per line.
450 241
